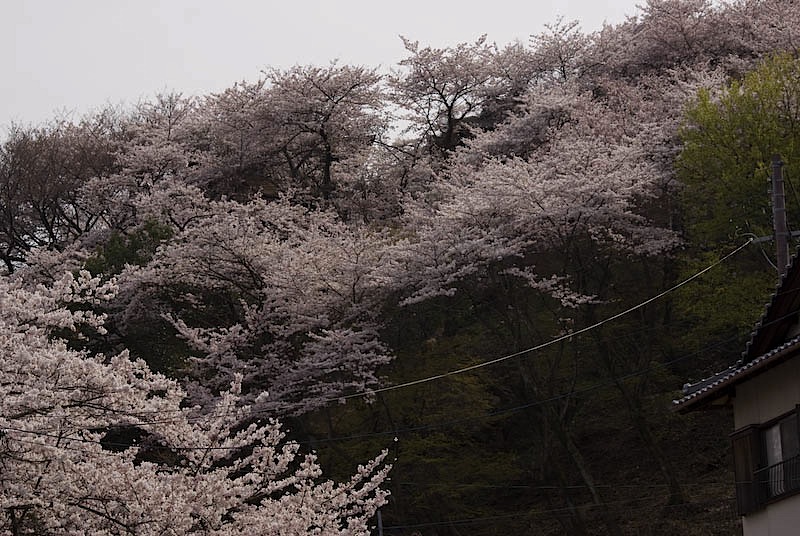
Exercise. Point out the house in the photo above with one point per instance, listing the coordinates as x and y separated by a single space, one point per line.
763 388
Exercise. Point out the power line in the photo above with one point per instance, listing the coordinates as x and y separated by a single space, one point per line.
437 377
538 513
483 364
552 341
394 432
515 409
726 483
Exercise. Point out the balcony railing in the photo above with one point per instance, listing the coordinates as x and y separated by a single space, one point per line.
778 479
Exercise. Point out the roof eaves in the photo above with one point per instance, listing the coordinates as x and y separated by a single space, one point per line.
764 320
702 391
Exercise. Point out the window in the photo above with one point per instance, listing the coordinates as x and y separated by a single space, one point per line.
781 445
766 462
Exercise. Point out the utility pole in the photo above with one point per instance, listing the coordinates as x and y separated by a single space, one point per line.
779 215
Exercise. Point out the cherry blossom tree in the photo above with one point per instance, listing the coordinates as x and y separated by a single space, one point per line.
291 128
98 443
72 185
285 296
262 241
228 129
158 147
325 115
43 171
665 34
558 51
504 197
764 27
371 186
441 88
543 206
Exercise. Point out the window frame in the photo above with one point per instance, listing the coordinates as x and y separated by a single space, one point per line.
759 482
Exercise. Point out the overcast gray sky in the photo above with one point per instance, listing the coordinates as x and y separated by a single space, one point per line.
76 55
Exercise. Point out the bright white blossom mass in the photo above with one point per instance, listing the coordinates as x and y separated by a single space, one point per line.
99 444
178 279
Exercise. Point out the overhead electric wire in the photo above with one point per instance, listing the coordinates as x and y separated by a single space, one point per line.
551 341
394 432
397 431
514 409
788 180
483 364
551 487
537 513
437 377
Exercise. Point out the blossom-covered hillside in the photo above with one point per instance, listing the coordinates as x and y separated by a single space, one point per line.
207 301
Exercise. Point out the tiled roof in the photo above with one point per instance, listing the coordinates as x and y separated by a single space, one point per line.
765 348
696 392
774 311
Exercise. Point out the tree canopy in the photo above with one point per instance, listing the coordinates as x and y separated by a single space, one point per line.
206 301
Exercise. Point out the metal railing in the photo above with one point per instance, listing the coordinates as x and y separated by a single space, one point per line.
778 479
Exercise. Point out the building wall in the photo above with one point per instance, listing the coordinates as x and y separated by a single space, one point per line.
768 395
781 518
758 400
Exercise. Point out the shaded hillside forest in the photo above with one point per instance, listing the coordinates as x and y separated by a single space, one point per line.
397 261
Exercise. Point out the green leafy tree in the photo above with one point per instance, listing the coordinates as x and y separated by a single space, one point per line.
729 139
